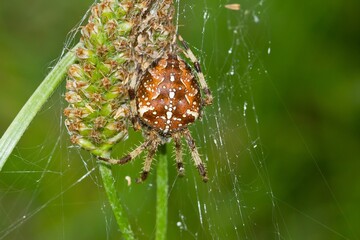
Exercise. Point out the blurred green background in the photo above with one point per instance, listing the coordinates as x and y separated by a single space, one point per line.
299 66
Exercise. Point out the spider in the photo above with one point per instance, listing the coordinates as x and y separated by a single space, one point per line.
164 100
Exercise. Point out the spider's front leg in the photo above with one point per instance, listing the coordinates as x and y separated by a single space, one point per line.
132 96
208 96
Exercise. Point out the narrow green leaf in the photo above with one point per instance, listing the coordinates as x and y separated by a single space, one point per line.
18 126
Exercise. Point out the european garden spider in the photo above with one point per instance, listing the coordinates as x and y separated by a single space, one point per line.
164 100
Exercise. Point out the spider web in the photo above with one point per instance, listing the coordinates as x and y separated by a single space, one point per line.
58 193
62 188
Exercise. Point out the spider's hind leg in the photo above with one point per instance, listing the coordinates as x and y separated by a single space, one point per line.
133 154
195 155
178 154
147 164
151 139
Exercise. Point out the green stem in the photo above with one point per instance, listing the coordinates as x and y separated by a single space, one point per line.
162 194
18 126
109 184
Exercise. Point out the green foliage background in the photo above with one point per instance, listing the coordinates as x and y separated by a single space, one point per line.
308 107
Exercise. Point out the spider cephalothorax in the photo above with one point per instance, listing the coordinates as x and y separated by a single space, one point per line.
164 100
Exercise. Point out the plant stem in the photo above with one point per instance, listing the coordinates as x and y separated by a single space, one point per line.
162 194
18 126
121 219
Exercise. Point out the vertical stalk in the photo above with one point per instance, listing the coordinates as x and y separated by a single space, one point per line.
111 192
162 194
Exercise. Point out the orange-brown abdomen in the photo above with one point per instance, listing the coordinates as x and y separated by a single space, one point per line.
168 96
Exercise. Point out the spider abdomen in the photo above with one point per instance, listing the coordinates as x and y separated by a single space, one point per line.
168 96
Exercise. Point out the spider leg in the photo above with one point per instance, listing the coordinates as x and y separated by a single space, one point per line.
178 154
123 111
195 155
208 97
132 96
136 152
147 164
146 15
